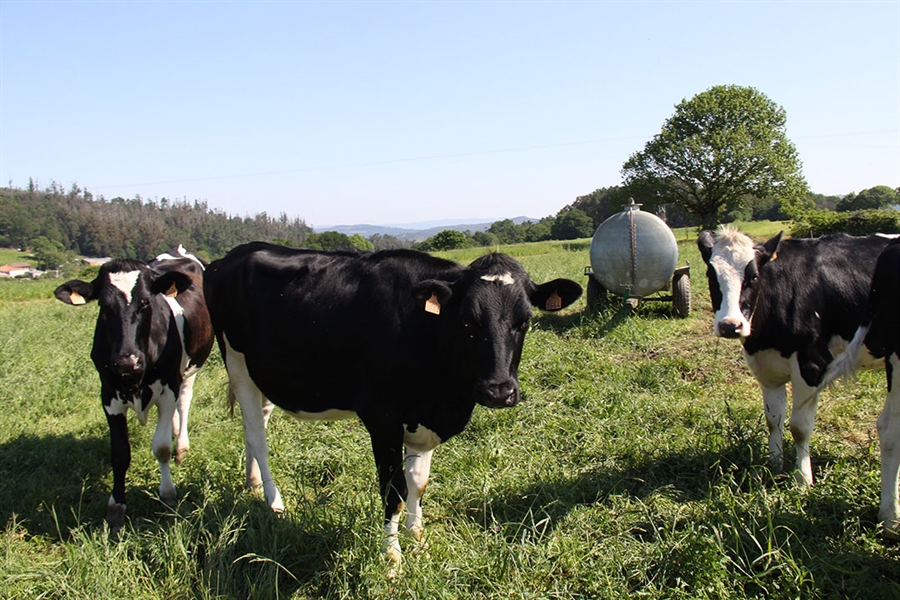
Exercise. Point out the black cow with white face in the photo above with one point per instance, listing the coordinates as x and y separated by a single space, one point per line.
152 336
407 342
794 304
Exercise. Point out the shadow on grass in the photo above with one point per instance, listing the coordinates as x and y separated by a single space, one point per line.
38 473
55 487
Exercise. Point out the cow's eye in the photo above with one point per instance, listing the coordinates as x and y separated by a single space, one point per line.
523 326
470 328
145 304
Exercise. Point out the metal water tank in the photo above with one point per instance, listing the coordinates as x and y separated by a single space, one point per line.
634 254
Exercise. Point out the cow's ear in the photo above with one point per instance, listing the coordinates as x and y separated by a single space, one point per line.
432 294
556 294
75 292
170 283
768 251
705 242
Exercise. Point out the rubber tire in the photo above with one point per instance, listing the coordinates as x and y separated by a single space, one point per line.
681 295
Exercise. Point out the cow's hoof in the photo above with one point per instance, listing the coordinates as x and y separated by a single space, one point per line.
169 499
115 519
417 533
802 479
393 554
889 534
180 454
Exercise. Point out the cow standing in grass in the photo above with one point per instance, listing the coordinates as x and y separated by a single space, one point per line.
406 342
152 336
794 304
879 332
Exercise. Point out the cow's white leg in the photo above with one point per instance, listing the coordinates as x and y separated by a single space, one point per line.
889 438
418 468
775 403
803 418
772 371
162 445
392 538
180 419
255 412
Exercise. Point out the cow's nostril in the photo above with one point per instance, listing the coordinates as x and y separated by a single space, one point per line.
729 329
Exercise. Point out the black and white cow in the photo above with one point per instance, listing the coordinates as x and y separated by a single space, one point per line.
407 342
794 304
152 336
879 332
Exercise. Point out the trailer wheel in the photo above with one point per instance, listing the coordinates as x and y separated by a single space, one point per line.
596 295
681 294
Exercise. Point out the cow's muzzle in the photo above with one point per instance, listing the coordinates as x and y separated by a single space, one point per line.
731 328
129 367
497 395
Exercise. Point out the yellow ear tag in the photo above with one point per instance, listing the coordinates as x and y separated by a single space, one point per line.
77 299
554 302
432 305
172 291
774 256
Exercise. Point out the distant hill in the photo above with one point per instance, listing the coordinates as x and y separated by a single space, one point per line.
416 232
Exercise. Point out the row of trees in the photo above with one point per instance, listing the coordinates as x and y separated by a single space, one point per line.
73 221
857 213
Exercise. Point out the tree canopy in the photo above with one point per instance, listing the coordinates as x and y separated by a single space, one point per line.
880 196
720 148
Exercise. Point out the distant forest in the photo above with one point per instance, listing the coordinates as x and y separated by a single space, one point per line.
55 224
74 221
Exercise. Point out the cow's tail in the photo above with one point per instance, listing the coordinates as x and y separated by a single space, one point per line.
232 398
845 364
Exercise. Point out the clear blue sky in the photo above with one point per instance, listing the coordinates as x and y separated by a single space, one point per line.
402 112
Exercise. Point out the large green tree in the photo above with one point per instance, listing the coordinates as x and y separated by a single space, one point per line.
719 148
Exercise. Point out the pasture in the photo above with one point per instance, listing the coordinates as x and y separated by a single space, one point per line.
635 466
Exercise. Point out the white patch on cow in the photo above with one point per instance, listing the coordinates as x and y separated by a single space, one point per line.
120 404
124 282
180 252
420 440
331 414
890 236
505 279
178 315
730 256
864 359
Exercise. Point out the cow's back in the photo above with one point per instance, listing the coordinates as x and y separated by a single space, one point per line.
814 290
336 322
814 287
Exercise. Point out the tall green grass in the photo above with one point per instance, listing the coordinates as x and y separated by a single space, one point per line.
634 467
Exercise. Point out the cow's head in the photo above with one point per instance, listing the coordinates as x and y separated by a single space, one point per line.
733 265
488 310
129 294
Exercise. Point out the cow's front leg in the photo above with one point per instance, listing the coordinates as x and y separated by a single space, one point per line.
387 447
180 419
775 404
120 459
418 468
889 438
803 417
162 446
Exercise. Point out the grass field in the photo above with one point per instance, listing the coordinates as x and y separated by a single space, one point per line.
634 467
